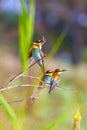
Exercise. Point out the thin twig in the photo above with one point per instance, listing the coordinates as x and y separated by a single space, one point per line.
70 89
36 62
32 77
30 62
21 73
14 101
15 86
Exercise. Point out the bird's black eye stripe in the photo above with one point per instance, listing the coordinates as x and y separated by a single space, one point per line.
38 41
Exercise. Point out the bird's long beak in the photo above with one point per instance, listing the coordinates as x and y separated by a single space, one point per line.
63 70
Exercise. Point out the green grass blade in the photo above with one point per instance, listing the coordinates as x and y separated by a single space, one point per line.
57 44
7 108
23 34
57 122
21 40
30 23
26 30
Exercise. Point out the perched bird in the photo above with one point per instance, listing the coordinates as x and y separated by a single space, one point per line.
55 79
44 82
37 54
49 79
46 79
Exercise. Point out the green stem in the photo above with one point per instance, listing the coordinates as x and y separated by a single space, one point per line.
9 111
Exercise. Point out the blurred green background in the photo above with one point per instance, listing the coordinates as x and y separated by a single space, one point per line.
64 25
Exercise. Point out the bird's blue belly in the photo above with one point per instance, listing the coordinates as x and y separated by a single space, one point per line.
36 54
47 80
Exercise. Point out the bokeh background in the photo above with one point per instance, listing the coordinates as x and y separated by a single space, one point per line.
53 19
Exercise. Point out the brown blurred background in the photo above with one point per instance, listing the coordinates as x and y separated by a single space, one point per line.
52 17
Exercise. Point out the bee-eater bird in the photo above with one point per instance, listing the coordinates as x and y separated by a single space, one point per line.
45 81
37 54
50 79
55 79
